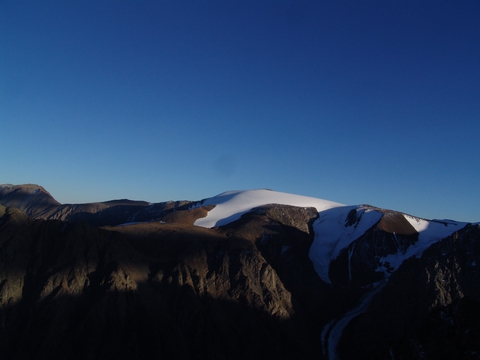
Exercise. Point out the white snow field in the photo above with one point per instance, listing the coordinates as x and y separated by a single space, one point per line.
332 234
231 205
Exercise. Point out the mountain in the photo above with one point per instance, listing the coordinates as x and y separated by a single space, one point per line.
36 202
245 274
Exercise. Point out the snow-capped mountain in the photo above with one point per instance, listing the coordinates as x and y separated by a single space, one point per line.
337 227
328 274
231 205
335 232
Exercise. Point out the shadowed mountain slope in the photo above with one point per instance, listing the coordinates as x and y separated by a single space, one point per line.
159 291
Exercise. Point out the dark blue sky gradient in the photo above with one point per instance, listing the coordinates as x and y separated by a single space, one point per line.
352 101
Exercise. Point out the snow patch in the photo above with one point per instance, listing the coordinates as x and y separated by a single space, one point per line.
430 232
334 232
231 205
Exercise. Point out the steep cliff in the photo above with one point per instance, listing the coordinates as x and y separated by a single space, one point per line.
430 307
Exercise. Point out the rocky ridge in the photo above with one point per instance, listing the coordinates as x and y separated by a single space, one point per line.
163 287
36 202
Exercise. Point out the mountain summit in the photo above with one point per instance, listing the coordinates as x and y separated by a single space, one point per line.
245 274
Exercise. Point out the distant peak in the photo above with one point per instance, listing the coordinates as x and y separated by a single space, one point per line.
30 198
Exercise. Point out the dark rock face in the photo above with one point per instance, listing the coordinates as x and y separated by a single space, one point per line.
428 308
69 290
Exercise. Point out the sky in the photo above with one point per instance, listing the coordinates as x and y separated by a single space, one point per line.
374 102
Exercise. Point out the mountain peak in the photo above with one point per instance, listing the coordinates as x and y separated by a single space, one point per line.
231 205
30 198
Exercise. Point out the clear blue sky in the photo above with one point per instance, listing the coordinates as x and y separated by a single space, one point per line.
352 101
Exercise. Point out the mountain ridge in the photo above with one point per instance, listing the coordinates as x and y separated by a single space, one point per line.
317 269
28 198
